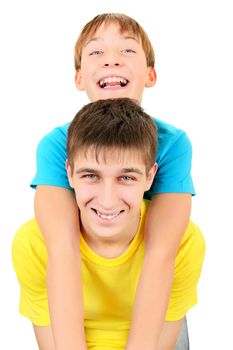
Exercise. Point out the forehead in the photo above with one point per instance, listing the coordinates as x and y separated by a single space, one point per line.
119 157
110 27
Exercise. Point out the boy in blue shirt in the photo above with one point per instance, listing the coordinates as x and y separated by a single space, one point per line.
113 58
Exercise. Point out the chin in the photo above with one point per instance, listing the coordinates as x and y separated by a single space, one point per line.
117 93
107 234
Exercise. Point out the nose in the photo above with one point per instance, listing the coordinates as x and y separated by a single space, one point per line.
111 64
107 196
112 59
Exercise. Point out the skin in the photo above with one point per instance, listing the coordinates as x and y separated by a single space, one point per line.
110 54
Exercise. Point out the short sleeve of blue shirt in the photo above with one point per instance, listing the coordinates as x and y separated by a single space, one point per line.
51 159
174 161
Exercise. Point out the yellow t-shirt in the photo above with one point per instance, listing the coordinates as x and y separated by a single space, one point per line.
109 285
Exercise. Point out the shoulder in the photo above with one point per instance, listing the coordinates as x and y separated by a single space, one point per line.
169 132
58 134
171 139
51 159
55 140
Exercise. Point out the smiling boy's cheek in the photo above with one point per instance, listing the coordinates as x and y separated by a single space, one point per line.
84 194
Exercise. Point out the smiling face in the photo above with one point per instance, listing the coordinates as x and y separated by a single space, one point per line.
109 191
113 64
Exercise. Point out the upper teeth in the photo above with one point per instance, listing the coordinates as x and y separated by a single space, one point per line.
107 217
112 80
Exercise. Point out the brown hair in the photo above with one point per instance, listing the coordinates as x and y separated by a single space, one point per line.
119 124
126 24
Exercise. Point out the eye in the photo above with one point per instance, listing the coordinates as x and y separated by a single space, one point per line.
96 53
128 51
89 176
127 178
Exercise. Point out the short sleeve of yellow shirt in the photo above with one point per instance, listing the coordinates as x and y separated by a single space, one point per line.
109 285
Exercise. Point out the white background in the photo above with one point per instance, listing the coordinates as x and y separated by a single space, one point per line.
193 44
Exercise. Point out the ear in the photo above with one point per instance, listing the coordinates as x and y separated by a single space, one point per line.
78 80
150 176
152 76
69 173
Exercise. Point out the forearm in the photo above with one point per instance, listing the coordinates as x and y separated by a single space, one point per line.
57 215
65 301
165 225
150 304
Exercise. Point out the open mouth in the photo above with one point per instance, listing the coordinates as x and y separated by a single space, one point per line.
112 82
107 217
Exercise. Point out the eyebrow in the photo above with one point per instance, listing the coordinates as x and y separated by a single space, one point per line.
86 170
97 38
123 171
131 37
132 170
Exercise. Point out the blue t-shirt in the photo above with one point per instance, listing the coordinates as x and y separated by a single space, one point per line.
174 159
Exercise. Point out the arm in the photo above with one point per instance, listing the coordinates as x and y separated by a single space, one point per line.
166 222
57 215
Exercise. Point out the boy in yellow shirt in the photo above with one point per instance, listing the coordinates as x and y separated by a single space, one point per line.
113 58
111 151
